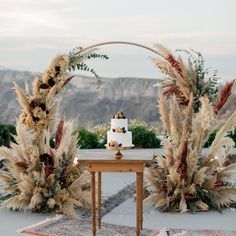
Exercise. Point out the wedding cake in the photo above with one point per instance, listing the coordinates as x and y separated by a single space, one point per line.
119 136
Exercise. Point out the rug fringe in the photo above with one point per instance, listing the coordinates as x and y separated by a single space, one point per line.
56 217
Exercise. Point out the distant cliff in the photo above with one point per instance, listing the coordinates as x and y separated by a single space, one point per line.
83 102
87 105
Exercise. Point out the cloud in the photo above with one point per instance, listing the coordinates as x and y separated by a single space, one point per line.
36 30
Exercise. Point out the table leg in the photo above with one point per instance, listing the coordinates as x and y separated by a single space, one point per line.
138 202
93 191
99 199
141 201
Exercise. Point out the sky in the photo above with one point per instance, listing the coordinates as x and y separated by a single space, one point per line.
32 32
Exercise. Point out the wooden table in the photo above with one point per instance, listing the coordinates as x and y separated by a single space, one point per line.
105 162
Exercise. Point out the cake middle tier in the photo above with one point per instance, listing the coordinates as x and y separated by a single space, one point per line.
119 123
121 138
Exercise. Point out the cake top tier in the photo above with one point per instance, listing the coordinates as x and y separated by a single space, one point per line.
119 115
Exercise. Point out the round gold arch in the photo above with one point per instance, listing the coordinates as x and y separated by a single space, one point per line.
122 43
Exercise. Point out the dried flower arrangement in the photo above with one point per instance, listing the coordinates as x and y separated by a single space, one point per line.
185 178
38 176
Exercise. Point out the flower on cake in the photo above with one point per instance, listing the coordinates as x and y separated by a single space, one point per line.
114 144
119 130
119 115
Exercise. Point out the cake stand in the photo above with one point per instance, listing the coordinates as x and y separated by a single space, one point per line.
118 155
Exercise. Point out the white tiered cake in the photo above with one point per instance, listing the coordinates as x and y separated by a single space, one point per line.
119 136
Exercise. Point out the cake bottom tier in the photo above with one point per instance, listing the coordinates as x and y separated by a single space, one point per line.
125 139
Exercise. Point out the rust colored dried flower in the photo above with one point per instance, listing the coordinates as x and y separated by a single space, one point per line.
174 63
51 82
224 95
44 86
46 159
33 104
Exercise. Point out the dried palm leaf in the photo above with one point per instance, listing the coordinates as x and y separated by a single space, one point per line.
227 171
15 204
59 133
187 124
224 196
217 143
24 135
22 97
168 151
210 183
52 116
68 80
152 198
164 66
174 176
64 143
201 205
36 85
226 146
183 205
204 123
36 200
163 106
161 202
175 121
165 52
151 177
6 153
51 203
161 161
6 178
26 184
200 176
183 85
191 162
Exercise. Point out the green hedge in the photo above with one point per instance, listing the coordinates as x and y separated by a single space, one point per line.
144 138
6 132
87 139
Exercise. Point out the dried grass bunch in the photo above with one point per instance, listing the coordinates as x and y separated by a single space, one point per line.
38 175
186 178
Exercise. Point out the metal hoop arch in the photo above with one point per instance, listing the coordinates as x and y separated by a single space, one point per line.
122 43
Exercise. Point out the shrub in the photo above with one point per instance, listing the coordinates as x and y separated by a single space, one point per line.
144 138
6 132
87 139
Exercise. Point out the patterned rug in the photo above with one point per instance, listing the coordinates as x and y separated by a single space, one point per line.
64 226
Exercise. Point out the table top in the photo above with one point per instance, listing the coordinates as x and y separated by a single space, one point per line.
130 156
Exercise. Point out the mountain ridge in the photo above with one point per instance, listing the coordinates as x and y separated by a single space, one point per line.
83 102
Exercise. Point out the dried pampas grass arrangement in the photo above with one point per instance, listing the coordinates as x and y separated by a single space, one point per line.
40 171
187 178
